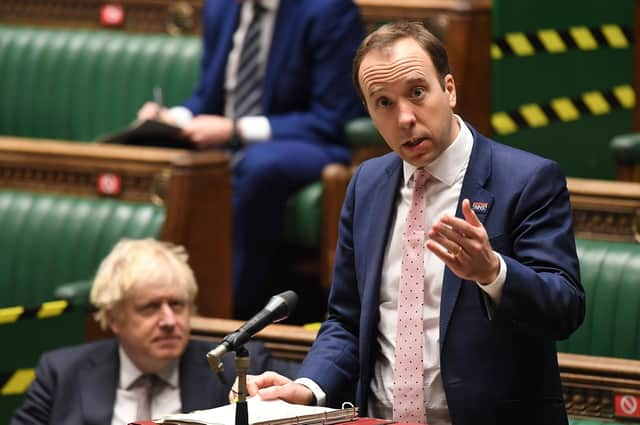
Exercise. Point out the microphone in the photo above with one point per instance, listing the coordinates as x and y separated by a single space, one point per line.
278 308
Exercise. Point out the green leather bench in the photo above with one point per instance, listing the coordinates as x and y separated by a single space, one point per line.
48 241
610 273
78 85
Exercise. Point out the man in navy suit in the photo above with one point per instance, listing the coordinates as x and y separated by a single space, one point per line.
305 98
144 291
501 276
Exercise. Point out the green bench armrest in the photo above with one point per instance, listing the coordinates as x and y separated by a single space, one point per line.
626 148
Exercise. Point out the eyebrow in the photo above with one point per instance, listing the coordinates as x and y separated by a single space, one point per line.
411 81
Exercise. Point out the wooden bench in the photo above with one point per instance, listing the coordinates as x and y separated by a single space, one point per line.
191 188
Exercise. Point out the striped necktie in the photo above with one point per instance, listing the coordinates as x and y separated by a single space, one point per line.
248 95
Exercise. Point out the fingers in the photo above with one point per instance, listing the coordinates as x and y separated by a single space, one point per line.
291 392
257 382
148 111
469 215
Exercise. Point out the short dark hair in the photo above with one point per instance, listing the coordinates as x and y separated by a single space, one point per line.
389 33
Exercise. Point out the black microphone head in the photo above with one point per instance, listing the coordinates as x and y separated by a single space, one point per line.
290 299
282 305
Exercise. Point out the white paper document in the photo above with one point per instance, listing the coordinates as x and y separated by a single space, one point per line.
260 412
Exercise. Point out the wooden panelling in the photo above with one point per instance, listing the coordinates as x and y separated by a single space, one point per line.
194 188
463 25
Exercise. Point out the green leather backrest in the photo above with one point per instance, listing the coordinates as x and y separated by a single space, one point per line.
80 84
610 273
48 240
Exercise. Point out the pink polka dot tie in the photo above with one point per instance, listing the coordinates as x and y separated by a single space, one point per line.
408 389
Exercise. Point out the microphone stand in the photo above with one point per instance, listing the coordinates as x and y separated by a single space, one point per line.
242 366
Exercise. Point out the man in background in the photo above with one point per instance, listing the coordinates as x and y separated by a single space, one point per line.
456 268
144 291
275 88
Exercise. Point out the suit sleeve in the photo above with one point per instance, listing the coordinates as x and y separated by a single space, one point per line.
542 292
333 33
37 405
207 97
333 360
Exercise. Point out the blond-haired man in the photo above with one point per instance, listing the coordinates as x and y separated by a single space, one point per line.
144 291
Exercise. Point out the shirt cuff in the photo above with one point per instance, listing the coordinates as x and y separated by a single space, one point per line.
321 396
254 129
494 289
181 115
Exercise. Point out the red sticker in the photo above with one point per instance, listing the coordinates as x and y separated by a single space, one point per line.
109 184
627 405
112 15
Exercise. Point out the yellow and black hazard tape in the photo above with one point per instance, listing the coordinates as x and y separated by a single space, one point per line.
563 109
16 382
559 41
43 311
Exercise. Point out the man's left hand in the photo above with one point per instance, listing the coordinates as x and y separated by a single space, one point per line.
464 246
209 130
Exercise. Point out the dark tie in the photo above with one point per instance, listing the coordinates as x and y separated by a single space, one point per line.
408 390
249 79
146 387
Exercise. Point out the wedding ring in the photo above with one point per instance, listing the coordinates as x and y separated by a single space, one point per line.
458 251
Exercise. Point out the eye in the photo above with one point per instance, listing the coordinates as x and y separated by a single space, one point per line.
149 309
383 102
417 92
178 305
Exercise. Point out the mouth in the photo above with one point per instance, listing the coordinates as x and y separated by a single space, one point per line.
412 143
168 339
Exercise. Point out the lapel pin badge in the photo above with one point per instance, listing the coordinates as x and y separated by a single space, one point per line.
479 207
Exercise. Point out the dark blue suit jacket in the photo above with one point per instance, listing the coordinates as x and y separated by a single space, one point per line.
498 363
77 385
307 94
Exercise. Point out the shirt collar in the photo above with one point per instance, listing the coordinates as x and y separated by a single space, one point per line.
448 166
270 5
129 372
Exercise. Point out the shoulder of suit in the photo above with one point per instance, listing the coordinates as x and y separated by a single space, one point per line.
73 355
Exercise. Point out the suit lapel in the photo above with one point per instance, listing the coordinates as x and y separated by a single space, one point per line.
283 32
380 216
192 395
478 171
382 211
98 383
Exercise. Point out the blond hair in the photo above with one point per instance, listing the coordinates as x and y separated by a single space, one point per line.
139 263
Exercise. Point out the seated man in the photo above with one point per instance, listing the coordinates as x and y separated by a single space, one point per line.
144 291
275 87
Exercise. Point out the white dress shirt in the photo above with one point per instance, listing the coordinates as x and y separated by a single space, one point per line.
165 402
442 195
256 128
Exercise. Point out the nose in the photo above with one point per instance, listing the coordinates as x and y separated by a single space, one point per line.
406 115
167 316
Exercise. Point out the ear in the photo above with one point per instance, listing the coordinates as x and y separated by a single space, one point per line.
450 89
112 321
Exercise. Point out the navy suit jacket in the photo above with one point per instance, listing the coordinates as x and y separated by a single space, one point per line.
77 385
498 362
307 93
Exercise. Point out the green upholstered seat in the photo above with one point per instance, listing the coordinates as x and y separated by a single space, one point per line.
361 132
610 273
49 240
626 148
591 421
79 85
